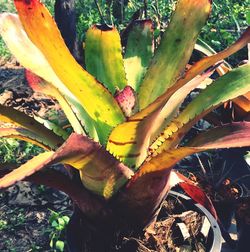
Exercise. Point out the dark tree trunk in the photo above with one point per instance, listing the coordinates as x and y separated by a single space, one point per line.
119 9
65 18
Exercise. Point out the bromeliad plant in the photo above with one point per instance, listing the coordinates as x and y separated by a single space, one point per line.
124 109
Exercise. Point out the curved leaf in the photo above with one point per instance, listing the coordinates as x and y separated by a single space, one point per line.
100 172
175 49
25 135
129 141
31 58
103 56
227 87
206 62
205 49
242 106
52 126
194 71
229 136
196 193
138 51
43 32
33 165
10 115
40 85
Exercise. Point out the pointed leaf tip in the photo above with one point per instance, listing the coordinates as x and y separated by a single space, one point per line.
175 50
27 169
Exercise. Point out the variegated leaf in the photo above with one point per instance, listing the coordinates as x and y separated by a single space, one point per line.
43 32
103 57
31 58
100 172
10 115
175 49
227 87
138 51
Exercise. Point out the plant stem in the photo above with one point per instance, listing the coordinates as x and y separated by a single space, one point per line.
100 12
145 8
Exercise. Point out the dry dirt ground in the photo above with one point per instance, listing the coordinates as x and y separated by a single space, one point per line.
26 209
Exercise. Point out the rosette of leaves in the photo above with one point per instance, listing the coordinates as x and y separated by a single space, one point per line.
124 108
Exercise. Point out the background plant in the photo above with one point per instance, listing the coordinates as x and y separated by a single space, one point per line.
225 24
58 223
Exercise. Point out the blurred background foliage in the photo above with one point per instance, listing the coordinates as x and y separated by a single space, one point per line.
228 19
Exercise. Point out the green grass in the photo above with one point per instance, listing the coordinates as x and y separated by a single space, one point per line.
4 52
14 151
58 223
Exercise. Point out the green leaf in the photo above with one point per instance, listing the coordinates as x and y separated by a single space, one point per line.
228 136
60 245
103 56
66 219
31 58
25 135
43 32
139 51
10 115
52 126
54 223
175 49
227 87
248 17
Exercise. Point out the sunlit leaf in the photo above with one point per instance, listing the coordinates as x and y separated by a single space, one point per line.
10 115
25 135
103 56
40 85
206 62
175 49
205 49
43 32
100 172
227 87
31 58
228 136
27 169
129 141
138 51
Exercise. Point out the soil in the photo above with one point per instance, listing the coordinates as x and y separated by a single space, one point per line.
15 92
179 227
25 209
25 212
